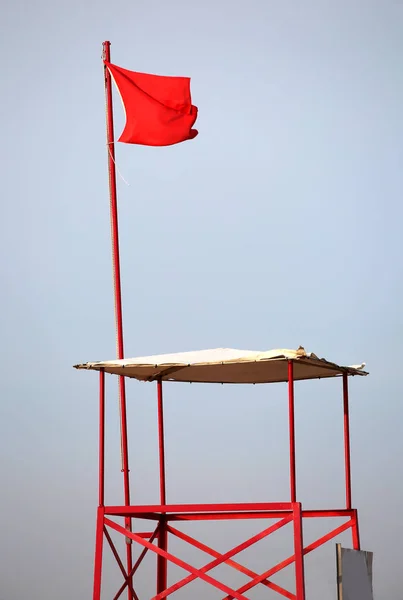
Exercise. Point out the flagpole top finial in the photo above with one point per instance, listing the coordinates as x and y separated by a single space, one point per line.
106 50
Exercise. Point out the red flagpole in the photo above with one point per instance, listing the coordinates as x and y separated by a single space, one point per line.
117 293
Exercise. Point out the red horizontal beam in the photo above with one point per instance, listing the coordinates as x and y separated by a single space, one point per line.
219 515
185 508
125 511
342 512
222 516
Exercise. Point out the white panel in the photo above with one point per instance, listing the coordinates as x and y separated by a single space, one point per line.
356 575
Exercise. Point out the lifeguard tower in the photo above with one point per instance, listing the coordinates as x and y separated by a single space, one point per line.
224 366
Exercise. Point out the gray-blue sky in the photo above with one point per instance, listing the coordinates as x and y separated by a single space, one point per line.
279 225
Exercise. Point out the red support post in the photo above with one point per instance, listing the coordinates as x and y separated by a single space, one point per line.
162 563
118 293
98 554
161 443
101 438
299 552
347 441
347 460
356 532
291 424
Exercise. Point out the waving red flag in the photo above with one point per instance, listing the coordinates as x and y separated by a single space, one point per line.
159 110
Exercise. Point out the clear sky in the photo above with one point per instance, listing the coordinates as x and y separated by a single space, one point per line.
279 225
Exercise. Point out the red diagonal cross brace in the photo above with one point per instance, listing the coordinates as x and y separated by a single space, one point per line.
290 560
175 560
136 565
120 564
229 562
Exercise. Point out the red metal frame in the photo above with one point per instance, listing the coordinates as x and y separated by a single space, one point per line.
165 514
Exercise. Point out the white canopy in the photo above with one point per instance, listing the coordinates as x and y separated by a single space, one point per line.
225 365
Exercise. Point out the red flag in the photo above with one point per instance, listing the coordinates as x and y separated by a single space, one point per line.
159 110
